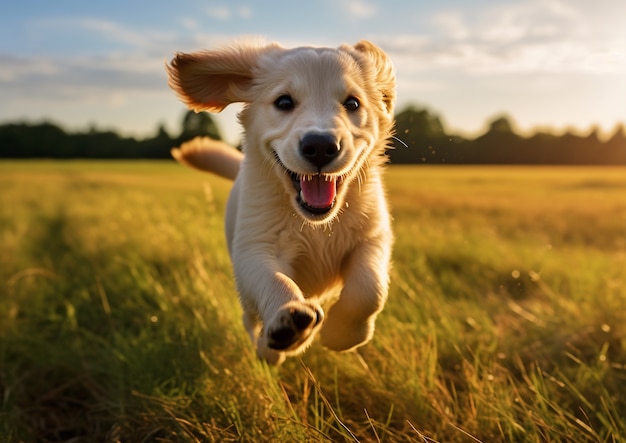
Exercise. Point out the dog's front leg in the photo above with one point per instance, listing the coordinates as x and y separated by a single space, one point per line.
350 321
278 318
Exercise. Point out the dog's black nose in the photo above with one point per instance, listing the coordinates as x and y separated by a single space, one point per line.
319 149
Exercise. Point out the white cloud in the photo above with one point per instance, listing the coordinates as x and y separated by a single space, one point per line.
189 23
113 31
244 12
79 78
96 33
222 13
533 36
360 9
451 24
12 68
545 19
225 13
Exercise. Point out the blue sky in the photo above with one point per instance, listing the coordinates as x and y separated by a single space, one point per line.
546 63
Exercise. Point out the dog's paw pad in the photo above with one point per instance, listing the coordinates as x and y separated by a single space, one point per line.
302 320
294 325
281 338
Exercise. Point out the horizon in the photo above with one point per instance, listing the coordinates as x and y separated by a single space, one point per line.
556 65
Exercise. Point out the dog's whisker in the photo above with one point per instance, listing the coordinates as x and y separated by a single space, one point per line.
400 141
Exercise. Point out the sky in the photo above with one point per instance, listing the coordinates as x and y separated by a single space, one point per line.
547 64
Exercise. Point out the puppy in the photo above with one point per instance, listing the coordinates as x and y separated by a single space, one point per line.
307 221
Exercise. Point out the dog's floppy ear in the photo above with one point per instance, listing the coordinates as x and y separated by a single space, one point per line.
211 80
384 75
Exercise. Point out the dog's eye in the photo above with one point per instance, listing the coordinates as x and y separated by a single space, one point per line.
351 104
284 103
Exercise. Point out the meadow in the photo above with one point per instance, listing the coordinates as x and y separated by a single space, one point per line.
119 320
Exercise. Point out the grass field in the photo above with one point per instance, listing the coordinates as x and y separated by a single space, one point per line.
119 321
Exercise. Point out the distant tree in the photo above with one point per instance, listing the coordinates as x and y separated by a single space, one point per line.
594 135
617 146
162 133
158 146
423 134
198 124
619 134
499 145
418 125
22 140
501 125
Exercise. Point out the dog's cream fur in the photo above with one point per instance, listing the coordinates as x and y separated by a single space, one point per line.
290 258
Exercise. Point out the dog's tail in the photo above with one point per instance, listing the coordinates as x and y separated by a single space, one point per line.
209 155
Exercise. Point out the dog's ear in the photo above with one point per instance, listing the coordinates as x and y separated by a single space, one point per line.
384 75
211 80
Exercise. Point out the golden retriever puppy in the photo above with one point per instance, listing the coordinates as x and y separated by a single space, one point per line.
307 222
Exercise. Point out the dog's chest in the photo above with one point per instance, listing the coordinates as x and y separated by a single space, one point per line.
313 258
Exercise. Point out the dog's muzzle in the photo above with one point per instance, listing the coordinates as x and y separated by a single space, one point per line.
317 192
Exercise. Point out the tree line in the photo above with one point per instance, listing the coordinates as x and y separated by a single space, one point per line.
48 140
420 138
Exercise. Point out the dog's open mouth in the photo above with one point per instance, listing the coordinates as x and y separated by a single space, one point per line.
316 193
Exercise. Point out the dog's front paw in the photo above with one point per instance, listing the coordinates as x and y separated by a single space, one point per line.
293 326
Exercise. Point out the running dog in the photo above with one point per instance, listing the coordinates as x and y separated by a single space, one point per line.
307 222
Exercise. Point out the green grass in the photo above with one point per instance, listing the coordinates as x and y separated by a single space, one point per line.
119 320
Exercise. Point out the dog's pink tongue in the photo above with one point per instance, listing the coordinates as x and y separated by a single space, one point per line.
318 191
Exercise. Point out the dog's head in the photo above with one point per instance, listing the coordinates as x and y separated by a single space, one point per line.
319 117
